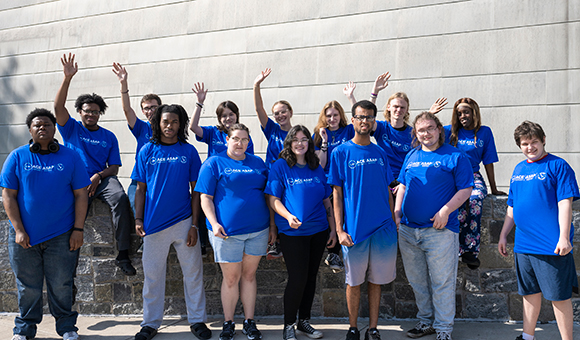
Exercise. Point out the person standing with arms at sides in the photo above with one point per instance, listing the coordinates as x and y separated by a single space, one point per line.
166 170
45 197
435 180
298 193
542 189
331 131
364 221
394 133
227 113
139 128
99 150
468 135
232 197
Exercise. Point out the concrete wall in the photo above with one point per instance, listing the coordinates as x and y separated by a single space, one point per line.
518 59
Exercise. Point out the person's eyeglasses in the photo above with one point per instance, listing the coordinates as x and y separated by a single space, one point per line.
428 130
360 118
150 108
238 139
92 112
300 141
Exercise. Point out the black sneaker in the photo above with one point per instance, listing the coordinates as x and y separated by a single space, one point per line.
520 337
251 330
372 334
228 330
303 326
353 333
274 251
420 329
289 333
334 262
471 260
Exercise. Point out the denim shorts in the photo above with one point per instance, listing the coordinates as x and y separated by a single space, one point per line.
377 256
552 275
233 248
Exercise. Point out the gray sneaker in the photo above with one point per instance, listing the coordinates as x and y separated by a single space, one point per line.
443 335
289 332
303 326
334 262
420 329
372 334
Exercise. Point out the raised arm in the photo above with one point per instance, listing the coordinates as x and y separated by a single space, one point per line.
258 103
438 105
380 84
489 170
349 92
200 91
323 152
69 68
122 75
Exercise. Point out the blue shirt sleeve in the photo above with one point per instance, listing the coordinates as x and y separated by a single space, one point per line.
463 172
207 180
80 178
195 164
114 154
334 174
566 181
9 180
489 151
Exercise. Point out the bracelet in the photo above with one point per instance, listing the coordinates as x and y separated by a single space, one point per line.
324 148
373 95
139 219
101 176
200 105
78 229
194 226
324 144
125 91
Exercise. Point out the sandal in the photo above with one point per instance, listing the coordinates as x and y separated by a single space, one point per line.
146 333
200 330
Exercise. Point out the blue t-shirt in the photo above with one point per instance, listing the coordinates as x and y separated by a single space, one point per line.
237 188
484 151
216 141
336 138
535 190
301 190
98 149
396 143
167 170
45 185
275 136
142 132
364 174
431 180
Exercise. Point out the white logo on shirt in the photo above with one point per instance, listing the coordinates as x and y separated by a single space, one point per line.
60 167
93 141
34 167
159 160
421 164
361 162
542 176
406 147
217 142
229 171
183 159
104 144
524 178
437 164
297 181
480 143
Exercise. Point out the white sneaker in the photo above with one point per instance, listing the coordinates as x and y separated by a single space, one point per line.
18 337
70 336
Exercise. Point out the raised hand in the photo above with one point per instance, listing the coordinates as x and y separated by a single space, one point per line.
121 72
381 82
349 89
263 75
69 66
438 105
200 91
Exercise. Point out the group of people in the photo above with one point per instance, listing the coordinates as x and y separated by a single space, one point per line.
418 189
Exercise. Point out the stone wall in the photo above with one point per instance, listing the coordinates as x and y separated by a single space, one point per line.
489 293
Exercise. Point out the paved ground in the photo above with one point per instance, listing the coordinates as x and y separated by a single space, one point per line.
124 328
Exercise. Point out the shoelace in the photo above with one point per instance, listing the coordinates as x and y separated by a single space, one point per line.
307 327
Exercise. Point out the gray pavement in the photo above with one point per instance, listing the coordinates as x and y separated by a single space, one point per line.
124 328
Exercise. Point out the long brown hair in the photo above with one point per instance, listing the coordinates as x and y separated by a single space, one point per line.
287 153
323 123
456 124
219 111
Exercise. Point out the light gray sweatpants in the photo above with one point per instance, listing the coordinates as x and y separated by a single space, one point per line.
155 251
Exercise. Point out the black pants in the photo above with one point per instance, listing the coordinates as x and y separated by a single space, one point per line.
302 255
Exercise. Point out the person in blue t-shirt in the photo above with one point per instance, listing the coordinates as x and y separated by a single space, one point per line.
468 135
227 114
331 131
166 214
140 129
542 189
99 149
363 205
299 195
46 202
435 180
232 197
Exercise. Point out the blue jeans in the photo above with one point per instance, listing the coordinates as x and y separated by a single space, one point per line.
51 260
430 261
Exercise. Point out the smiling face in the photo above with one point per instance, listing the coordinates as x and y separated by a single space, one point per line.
148 107
332 118
42 130
169 125
237 141
282 114
428 134
90 114
363 121
300 144
533 148
465 116
228 118
397 108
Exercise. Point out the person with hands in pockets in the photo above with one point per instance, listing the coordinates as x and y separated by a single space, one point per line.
542 188
299 195
232 197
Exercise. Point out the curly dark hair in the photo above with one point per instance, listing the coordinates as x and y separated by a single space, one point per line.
156 119
39 113
90 99
287 153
